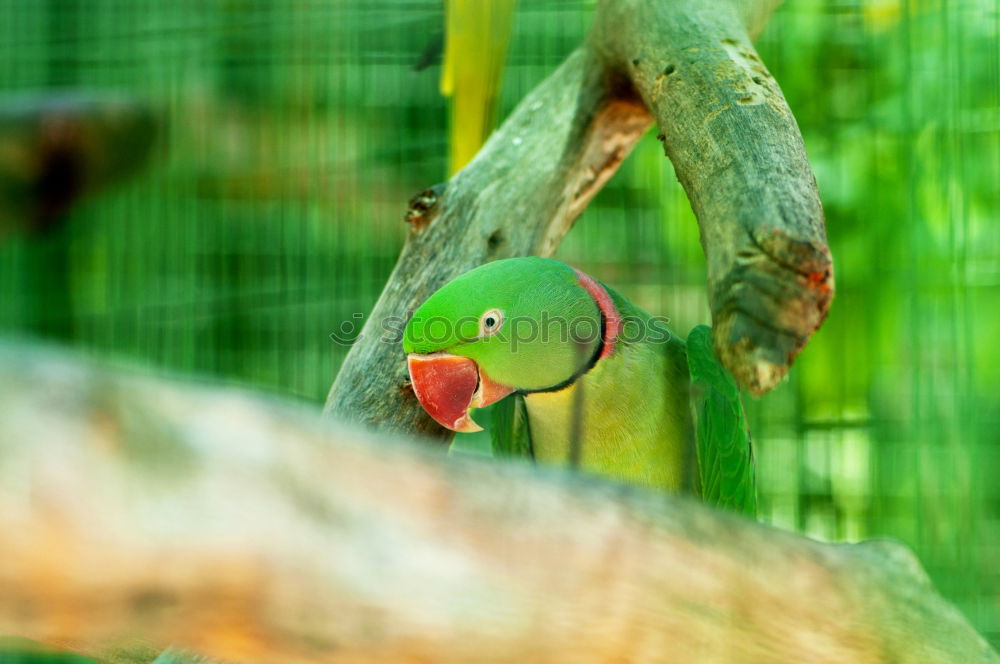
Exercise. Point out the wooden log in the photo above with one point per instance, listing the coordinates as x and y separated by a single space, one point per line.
137 513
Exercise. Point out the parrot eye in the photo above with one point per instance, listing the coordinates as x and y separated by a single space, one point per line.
490 322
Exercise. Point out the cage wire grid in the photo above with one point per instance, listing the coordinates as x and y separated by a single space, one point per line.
297 130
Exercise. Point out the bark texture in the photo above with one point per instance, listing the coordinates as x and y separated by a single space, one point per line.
138 513
734 145
738 153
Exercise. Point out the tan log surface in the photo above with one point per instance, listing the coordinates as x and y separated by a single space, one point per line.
138 513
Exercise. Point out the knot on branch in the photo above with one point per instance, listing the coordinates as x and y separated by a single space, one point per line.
423 207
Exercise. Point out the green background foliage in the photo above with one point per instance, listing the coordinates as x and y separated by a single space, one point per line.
297 130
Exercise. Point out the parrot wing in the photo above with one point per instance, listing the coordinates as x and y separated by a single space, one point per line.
725 456
510 434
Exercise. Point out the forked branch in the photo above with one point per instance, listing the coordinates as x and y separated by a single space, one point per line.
734 145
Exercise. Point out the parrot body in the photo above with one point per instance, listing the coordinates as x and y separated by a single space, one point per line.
634 421
581 376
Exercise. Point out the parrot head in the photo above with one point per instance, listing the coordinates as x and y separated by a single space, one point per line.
520 324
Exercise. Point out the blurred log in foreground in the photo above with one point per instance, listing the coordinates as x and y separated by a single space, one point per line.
138 513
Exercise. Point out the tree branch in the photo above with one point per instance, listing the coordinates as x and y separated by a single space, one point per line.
735 147
138 514
737 150
518 197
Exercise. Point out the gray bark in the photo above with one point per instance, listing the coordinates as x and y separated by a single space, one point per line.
738 153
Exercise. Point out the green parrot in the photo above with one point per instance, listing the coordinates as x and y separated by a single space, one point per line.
581 376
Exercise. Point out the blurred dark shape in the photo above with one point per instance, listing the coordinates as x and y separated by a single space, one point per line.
431 55
57 146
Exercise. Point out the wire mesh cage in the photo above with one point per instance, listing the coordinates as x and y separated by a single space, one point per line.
293 133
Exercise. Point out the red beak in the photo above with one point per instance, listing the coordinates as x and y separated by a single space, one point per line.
447 386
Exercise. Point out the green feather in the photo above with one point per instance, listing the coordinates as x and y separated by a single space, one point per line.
510 433
725 455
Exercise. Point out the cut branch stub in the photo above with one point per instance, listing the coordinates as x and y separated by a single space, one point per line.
739 155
